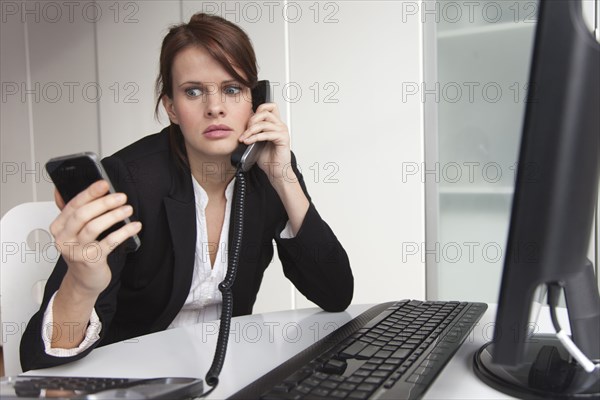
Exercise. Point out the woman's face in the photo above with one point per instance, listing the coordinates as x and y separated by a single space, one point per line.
211 108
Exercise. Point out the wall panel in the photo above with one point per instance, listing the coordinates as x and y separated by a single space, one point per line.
355 134
15 141
130 34
63 65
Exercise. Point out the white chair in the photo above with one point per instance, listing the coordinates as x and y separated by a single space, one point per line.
28 257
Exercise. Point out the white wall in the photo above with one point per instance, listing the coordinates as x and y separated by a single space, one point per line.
345 63
45 112
351 149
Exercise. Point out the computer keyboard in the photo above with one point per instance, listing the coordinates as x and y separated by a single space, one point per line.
35 387
391 351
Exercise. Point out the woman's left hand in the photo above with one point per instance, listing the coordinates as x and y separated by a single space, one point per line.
266 125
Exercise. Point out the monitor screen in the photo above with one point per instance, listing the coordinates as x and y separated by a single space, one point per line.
552 213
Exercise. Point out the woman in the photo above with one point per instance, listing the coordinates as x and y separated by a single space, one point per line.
177 187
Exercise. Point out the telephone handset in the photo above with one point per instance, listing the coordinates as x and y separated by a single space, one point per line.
244 157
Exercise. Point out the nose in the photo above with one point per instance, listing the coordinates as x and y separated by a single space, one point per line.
215 106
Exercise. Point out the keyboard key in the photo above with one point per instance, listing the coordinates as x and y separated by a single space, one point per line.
387 367
355 379
282 387
312 382
338 394
304 389
328 385
373 379
363 373
383 354
320 392
352 350
380 374
359 395
320 376
336 378
394 361
367 352
369 366
401 353
368 387
347 386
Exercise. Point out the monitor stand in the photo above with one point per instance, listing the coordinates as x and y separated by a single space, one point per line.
548 370
544 374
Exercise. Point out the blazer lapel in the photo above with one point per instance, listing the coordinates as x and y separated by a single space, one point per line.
181 216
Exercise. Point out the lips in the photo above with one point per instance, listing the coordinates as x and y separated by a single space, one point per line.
217 131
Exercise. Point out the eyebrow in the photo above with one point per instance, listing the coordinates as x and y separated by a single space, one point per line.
206 83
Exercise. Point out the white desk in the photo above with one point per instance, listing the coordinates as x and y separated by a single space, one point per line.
257 344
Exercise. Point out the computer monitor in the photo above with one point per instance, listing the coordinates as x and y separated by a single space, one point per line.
552 216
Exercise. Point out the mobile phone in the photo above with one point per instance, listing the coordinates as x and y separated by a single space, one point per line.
244 156
73 173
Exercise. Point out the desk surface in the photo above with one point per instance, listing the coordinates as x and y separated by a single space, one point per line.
257 344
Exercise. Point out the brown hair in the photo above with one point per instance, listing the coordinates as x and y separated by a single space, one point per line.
226 42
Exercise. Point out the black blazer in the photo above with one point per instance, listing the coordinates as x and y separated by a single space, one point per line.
149 287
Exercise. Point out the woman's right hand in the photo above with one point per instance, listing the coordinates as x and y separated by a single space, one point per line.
77 228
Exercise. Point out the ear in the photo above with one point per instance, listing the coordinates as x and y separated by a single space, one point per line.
170 108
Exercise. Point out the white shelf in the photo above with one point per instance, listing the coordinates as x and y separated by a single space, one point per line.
482 29
503 191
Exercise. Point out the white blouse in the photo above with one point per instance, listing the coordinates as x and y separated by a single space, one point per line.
204 300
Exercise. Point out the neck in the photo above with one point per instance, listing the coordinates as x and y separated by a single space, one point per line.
213 174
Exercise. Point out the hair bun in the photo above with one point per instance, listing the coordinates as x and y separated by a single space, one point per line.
201 17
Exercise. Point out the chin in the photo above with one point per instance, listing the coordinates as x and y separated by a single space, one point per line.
213 149
220 149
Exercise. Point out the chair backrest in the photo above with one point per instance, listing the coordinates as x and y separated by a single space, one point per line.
28 257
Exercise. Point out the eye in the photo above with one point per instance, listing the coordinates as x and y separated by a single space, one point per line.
193 92
232 90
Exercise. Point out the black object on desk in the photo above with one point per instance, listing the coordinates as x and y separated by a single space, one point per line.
391 351
36 387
